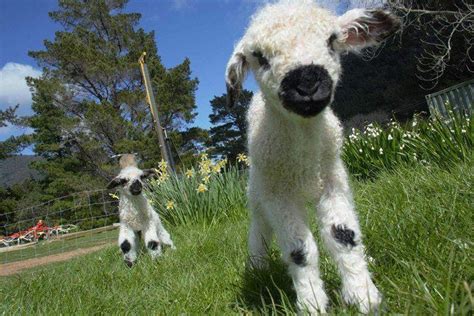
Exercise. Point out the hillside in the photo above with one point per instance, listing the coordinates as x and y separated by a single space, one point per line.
416 230
16 169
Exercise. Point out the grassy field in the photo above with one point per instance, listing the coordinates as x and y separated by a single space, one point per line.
55 246
417 223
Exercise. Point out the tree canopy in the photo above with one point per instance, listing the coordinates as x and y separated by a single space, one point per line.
89 104
228 135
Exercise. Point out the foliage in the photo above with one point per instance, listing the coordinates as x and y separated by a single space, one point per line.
227 138
438 141
432 51
213 191
89 104
7 115
416 223
12 144
445 29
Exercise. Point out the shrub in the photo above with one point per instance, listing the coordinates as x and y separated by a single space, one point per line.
438 140
210 192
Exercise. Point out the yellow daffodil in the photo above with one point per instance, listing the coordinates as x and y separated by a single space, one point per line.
170 205
202 188
189 173
241 157
163 165
216 168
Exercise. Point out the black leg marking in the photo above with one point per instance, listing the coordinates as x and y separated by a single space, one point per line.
343 235
152 245
299 257
125 246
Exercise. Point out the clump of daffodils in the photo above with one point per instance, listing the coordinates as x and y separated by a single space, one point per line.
206 170
162 171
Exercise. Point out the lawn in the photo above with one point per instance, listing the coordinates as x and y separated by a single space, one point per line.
55 246
417 222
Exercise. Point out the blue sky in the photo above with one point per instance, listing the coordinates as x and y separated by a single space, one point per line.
203 30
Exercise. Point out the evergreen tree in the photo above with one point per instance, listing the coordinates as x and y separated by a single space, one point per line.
228 135
89 104
12 144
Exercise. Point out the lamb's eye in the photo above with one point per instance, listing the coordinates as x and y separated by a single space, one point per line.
331 40
262 60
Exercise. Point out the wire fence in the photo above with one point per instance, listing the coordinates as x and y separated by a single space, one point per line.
79 220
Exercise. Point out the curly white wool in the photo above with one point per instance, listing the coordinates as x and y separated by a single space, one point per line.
295 159
137 215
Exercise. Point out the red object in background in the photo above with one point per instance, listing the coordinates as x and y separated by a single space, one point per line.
39 230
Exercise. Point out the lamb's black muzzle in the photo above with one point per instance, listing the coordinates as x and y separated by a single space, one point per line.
136 187
306 90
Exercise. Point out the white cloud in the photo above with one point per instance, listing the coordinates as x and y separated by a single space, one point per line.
13 88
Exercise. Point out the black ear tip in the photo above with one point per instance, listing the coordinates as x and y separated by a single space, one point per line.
385 17
232 95
229 102
386 22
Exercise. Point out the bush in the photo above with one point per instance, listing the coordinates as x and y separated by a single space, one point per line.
211 192
438 140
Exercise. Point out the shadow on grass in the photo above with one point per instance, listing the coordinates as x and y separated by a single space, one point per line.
266 291
270 291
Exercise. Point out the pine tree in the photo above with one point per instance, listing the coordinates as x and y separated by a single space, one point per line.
89 104
228 136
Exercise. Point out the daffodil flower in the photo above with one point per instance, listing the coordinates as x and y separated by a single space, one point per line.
202 188
170 205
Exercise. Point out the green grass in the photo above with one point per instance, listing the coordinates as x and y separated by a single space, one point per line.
417 223
46 248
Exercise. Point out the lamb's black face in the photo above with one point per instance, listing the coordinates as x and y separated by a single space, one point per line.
131 180
136 187
306 90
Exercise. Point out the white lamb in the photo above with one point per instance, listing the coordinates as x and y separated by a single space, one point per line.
295 140
136 213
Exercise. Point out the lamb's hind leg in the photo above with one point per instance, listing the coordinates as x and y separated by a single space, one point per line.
341 234
152 241
128 243
156 236
299 251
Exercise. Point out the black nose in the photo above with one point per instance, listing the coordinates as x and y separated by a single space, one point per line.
306 90
136 187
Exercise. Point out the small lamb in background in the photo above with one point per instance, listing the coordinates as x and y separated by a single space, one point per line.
136 213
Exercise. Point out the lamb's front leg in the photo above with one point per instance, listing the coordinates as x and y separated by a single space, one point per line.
341 233
128 243
299 251
260 236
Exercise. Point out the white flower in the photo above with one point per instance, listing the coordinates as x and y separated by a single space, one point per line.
381 151
360 150
389 137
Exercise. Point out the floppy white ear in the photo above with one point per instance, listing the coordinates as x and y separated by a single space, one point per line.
236 72
362 28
